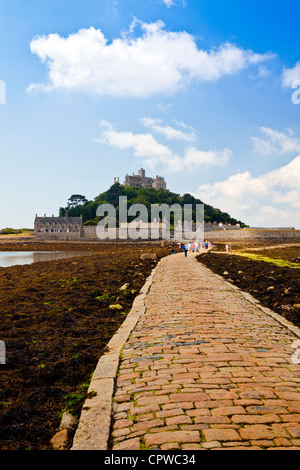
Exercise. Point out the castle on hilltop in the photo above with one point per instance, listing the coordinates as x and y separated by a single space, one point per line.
142 181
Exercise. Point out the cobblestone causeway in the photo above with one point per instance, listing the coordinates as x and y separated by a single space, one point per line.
205 368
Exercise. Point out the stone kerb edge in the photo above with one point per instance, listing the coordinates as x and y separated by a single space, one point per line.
93 431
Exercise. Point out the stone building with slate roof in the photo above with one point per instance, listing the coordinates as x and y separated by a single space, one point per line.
58 228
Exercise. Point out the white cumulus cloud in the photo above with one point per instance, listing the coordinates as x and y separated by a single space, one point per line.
144 146
171 3
271 199
200 158
147 149
151 61
276 142
168 3
168 131
291 75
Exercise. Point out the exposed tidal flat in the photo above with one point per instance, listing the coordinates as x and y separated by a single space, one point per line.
56 320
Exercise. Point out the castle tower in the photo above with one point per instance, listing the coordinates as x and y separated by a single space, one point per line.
142 173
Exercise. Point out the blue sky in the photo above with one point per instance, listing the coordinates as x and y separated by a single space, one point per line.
202 92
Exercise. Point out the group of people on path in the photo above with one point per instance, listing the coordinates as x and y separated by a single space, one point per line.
194 247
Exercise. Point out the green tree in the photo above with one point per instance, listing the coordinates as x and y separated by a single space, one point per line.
76 200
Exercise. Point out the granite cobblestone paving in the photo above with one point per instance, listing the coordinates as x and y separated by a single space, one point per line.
205 369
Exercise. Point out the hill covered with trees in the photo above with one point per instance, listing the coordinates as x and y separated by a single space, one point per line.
79 205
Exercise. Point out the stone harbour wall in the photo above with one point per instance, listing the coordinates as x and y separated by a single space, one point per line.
89 231
248 234
229 235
